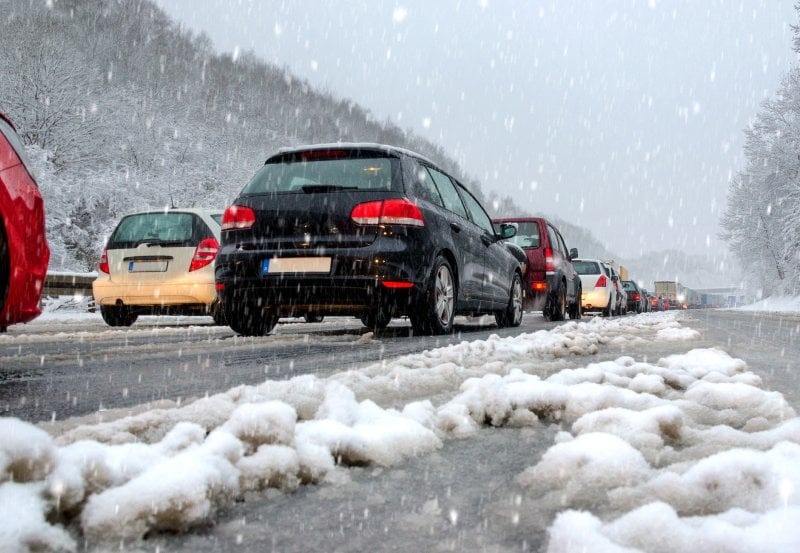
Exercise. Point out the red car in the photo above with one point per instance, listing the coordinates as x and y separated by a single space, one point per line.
24 253
551 283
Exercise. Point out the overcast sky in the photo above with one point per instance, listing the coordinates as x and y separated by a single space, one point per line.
625 117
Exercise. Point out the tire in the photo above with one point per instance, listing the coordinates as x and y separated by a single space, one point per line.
313 318
558 310
376 320
512 314
435 310
249 318
608 311
217 314
575 310
115 315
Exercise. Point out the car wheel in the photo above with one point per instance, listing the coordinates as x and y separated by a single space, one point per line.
217 314
376 320
512 314
313 318
436 309
249 318
558 311
575 309
117 315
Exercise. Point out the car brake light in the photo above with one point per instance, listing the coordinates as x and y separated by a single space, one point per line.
548 260
602 282
539 286
204 254
237 217
388 212
636 296
394 284
103 265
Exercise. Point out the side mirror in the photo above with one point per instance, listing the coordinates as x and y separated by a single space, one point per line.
573 254
507 231
614 278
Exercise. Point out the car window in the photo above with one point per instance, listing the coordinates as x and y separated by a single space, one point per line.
300 175
171 229
477 214
447 189
16 144
554 242
628 285
427 188
527 234
217 218
587 267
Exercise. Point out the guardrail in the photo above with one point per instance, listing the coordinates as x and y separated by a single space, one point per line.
68 284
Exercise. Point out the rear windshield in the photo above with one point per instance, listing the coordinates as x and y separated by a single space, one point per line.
319 172
527 234
628 285
586 267
164 229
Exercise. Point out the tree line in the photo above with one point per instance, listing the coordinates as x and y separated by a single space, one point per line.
761 222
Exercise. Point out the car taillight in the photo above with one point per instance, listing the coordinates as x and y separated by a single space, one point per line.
539 286
388 212
103 265
636 296
548 260
602 282
237 217
204 254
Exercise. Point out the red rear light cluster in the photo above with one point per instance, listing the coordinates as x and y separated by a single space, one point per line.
204 254
602 282
635 296
388 212
237 217
539 286
103 265
549 266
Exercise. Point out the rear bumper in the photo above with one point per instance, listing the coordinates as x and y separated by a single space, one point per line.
356 282
595 300
107 292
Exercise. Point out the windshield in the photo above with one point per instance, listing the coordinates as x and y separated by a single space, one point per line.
171 229
308 176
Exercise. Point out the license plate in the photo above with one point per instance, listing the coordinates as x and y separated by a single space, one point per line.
147 266
279 265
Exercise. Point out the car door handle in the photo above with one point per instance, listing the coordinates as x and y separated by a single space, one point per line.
456 227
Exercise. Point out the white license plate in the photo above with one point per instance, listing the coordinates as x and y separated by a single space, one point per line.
147 266
278 265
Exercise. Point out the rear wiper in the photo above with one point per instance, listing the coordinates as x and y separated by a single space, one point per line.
156 242
314 188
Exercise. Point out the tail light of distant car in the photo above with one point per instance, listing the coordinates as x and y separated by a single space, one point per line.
103 265
539 286
549 265
237 217
204 254
602 282
388 212
635 296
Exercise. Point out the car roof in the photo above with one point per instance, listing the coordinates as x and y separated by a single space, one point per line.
518 219
395 150
199 211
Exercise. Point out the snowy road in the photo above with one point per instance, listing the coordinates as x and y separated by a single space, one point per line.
63 366
637 434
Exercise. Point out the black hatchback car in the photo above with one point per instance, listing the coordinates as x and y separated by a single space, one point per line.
367 230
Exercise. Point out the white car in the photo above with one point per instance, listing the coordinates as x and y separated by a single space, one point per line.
599 293
159 262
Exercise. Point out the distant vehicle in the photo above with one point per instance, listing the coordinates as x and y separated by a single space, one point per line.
24 253
656 303
622 296
634 299
646 296
367 230
599 292
159 263
551 284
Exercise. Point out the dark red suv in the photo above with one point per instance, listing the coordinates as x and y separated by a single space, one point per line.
24 253
551 283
